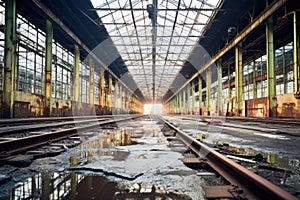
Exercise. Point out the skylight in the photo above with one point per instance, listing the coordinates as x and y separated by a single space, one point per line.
154 51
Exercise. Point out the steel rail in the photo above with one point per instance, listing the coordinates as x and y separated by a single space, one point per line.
15 121
30 127
253 186
290 121
21 144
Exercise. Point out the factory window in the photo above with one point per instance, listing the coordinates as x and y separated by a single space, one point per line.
84 77
62 65
261 76
31 56
283 69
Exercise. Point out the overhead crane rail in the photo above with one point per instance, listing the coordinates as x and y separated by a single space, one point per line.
252 185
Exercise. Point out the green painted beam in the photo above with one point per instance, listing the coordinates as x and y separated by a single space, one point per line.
9 59
270 66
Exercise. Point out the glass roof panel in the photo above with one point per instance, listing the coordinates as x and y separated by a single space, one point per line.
169 39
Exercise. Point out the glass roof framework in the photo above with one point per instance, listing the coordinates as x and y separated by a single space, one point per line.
179 25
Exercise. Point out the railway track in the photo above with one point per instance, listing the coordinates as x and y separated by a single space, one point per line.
12 146
244 183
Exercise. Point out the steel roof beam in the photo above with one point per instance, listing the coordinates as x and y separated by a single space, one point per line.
159 9
53 17
251 26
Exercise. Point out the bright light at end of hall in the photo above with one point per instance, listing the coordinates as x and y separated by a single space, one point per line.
153 109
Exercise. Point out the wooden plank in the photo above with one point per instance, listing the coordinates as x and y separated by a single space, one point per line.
217 191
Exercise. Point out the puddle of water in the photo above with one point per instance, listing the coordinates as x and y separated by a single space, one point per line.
78 186
104 145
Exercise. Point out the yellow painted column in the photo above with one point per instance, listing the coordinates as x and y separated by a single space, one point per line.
101 87
48 67
116 95
238 78
208 87
229 104
193 97
121 97
76 74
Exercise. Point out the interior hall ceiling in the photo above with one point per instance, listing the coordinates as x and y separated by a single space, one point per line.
155 38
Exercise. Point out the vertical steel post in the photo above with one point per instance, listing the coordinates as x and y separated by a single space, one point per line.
9 59
239 78
193 96
208 87
101 86
121 97
184 100
270 66
116 95
200 94
180 102
92 74
76 74
229 106
109 100
219 68
254 80
295 50
48 67
188 93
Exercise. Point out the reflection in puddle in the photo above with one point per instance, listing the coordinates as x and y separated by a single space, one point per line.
104 145
78 186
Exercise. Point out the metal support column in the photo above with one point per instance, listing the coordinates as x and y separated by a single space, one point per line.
184 101
48 67
219 68
200 94
92 74
270 67
193 96
208 87
116 95
180 102
109 100
229 104
296 56
101 87
188 93
254 80
121 98
239 78
9 59
76 78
